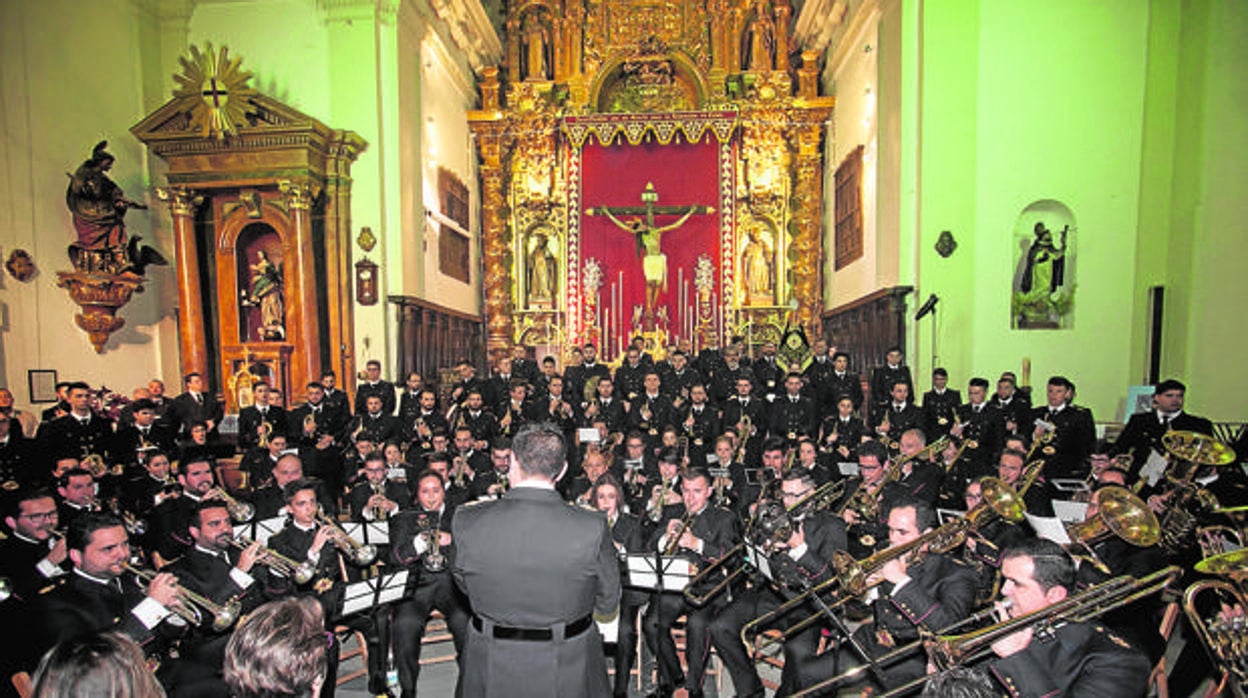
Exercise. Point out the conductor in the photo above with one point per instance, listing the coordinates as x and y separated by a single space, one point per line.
538 572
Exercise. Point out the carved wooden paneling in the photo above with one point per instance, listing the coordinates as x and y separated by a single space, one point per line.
433 338
867 327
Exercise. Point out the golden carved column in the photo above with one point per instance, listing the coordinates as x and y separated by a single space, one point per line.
192 339
494 236
783 11
807 213
300 277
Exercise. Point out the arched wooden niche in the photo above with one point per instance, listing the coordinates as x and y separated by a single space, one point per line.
259 262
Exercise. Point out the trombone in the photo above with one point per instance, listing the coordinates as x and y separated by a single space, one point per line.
190 605
362 554
945 651
240 512
301 572
851 577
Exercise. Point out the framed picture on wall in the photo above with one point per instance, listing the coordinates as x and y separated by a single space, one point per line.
1139 399
42 385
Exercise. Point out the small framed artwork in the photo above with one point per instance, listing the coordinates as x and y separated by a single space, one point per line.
1139 399
42 385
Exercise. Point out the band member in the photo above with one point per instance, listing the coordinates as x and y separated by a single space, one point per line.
216 570
801 560
316 417
78 433
495 479
808 462
270 500
605 406
747 415
630 375
429 584
793 415
1038 498
498 387
514 410
884 380
424 421
725 380
1072 431
376 497
921 588
145 492
374 385
1014 405
468 382
374 423
699 423
650 411
842 432
898 415
578 375
767 374
577 489
99 595
628 537
480 421
983 548
982 427
195 405
76 490
1144 431
918 478
709 533
170 521
863 507
532 632
939 404
31 557
134 443
410 402
306 537
1074 658
260 421
842 383
258 462
680 379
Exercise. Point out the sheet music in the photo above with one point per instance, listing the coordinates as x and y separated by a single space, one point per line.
1154 468
588 435
848 468
755 557
370 593
642 573
1049 528
1069 485
1070 512
372 532
268 528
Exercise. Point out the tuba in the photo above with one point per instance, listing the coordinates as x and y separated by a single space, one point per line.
1187 498
1222 633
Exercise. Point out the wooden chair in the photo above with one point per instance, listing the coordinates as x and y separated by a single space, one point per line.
342 632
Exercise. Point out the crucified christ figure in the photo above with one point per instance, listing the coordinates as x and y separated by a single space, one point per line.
649 234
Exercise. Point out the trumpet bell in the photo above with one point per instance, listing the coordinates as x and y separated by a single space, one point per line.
241 512
1198 448
225 617
304 572
1233 564
365 554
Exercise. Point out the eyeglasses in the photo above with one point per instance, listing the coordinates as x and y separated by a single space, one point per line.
39 516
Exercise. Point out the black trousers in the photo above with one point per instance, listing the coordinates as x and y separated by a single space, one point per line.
799 650
412 615
626 643
657 626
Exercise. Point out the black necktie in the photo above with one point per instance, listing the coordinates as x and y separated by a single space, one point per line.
199 399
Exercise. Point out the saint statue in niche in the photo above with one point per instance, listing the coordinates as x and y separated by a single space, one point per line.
266 293
1041 294
543 276
757 268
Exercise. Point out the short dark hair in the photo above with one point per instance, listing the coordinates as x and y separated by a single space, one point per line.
873 448
940 372
63 480
698 473
193 374
294 487
207 505
78 385
142 404
670 456
1061 381
372 362
428 473
978 382
78 536
1168 385
1051 565
839 354
773 443
279 650
375 456
13 504
924 514
538 450
314 385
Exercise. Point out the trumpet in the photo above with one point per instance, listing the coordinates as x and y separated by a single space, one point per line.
946 651
191 606
379 512
656 503
433 560
850 578
673 542
362 554
301 572
240 512
882 436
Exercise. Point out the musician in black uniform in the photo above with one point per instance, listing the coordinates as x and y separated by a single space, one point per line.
841 434
377 497
75 488
607 406
496 388
522 366
734 414
270 500
650 411
494 480
919 478
884 378
481 421
468 462
577 489
639 469
374 423
143 493
1072 429
31 557
429 583
630 375
898 415
317 416
98 595
335 400
213 568
629 537
863 507
710 533
258 462
426 420
307 538
61 408
20 464
843 383
801 560
699 423
78 433
556 407
808 462
409 400
817 376
514 410
678 382
133 443
374 385
794 415
1039 496
1075 659
725 381
939 405
918 589
589 369
1014 404
252 419
1144 430
980 423
170 522
983 548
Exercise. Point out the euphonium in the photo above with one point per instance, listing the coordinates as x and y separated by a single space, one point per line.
360 553
240 512
190 604
1222 633
1120 514
94 463
301 572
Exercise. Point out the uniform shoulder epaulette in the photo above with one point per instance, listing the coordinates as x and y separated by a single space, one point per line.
56 584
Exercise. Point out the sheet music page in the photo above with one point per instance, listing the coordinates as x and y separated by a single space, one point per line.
1070 512
1049 528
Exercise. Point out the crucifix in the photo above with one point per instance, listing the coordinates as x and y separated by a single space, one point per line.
649 234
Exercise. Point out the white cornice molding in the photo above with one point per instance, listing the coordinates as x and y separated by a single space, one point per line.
383 11
867 16
816 23
471 30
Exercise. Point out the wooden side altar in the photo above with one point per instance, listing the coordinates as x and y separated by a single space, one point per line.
260 196
650 167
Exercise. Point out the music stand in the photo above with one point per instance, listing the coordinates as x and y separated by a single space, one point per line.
646 572
372 593
370 533
264 530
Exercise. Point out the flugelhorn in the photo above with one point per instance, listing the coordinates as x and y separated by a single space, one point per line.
433 559
191 606
362 554
240 511
301 572
660 496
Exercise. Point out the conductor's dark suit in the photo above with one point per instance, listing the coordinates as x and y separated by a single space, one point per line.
530 561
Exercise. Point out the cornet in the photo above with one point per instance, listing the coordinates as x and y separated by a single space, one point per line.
240 512
379 512
301 572
190 606
362 554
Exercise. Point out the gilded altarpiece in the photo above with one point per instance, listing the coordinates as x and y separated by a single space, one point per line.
650 167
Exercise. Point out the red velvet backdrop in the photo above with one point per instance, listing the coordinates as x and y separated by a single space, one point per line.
684 174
